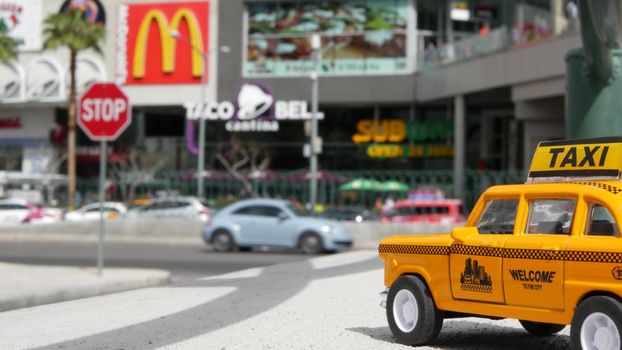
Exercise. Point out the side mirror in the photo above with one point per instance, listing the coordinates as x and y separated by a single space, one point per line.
462 234
283 216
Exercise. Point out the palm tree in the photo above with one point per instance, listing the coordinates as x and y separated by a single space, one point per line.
73 31
8 46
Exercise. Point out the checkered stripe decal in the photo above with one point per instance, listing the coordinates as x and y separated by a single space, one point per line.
602 186
476 288
510 253
538 254
607 257
413 249
472 250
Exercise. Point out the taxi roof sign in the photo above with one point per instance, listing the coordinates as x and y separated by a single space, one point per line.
597 158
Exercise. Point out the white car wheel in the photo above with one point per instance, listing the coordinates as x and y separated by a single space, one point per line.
599 332
411 313
596 324
405 310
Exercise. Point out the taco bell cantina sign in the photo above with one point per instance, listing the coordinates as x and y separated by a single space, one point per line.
254 110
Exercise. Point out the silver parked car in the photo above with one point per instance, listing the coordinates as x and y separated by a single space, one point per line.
90 212
174 207
271 222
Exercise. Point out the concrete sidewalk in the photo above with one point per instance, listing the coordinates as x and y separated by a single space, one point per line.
28 285
328 302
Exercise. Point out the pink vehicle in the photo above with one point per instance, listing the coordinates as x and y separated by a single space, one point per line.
443 211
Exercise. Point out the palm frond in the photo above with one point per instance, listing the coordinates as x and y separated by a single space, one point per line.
73 31
8 47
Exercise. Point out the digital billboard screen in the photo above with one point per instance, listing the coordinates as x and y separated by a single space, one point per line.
359 37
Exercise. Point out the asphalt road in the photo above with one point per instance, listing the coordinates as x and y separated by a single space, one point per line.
329 302
185 262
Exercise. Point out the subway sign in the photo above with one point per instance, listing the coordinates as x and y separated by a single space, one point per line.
147 53
396 138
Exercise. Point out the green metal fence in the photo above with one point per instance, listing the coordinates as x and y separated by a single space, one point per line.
289 185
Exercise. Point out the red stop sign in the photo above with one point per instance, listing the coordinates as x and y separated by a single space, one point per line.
104 112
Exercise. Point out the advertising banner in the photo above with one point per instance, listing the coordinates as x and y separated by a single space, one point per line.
148 53
359 37
22 20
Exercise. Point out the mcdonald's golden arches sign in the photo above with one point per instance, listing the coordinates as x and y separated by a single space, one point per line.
147 53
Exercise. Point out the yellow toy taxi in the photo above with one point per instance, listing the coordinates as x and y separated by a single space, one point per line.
547 252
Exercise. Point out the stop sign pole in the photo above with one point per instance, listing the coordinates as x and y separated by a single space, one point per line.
104 113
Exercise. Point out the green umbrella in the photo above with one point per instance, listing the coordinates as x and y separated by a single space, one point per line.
361 184
394 186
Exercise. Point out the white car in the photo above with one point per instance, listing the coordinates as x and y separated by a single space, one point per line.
175 207
91 212
15 212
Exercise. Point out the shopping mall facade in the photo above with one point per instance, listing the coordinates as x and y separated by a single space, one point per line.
403 84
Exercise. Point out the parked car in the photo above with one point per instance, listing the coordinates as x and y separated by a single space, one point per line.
90 212
357 214
173 207
16 211
271 222
445 212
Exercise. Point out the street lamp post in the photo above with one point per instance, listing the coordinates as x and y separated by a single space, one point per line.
201 154
316 44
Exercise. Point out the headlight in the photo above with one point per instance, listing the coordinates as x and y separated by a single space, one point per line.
328 229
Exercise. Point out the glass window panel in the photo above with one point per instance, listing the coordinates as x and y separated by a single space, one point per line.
499 216
551 216
601 222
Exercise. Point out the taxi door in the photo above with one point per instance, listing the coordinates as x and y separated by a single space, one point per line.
476 264
533 263
592 259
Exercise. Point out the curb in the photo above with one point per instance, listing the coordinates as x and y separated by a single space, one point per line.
29 286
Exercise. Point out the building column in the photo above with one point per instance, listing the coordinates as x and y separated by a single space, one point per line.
140 128
459 144
542 120
486 131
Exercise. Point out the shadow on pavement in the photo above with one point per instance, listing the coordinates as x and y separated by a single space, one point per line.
227 310
469 335
378 333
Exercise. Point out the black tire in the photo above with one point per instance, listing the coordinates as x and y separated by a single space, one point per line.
245 249
600 310
540 329
311 243
428 322
222 241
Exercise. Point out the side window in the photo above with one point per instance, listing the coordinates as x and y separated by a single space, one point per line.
269 211
181 204
550 216
96 209
601 222
151 207
167 205
250 210
259 210
499 216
